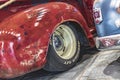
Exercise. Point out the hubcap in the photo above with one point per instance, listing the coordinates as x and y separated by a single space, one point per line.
64 42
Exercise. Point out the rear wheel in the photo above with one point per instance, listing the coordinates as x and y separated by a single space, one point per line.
64 48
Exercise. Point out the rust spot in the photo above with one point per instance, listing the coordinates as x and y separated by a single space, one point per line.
22 26
25 33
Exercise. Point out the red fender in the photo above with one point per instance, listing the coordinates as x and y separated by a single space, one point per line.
24 37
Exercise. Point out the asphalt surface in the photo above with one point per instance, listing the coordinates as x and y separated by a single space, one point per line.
95 65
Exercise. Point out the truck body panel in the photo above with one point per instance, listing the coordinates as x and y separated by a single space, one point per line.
25 32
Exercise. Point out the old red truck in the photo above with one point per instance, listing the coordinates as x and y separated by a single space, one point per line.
51 34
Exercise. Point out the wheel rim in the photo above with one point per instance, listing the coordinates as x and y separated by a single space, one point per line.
64 42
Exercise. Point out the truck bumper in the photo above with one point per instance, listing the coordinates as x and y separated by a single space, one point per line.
108 42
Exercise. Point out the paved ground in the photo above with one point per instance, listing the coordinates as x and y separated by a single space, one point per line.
104 65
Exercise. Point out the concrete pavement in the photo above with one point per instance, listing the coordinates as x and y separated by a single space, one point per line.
104 67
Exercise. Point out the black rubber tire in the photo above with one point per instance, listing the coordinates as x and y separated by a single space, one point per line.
55 63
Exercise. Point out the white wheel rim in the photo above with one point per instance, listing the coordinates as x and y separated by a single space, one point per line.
64 42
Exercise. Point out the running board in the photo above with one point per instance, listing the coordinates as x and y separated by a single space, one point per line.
108 42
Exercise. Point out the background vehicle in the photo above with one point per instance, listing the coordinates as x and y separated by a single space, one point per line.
47 34
107 21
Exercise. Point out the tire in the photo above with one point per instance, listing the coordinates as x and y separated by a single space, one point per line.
64 48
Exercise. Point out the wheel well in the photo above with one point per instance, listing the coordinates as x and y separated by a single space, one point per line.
80 31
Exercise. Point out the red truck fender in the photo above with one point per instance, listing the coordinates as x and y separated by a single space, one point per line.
25 36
